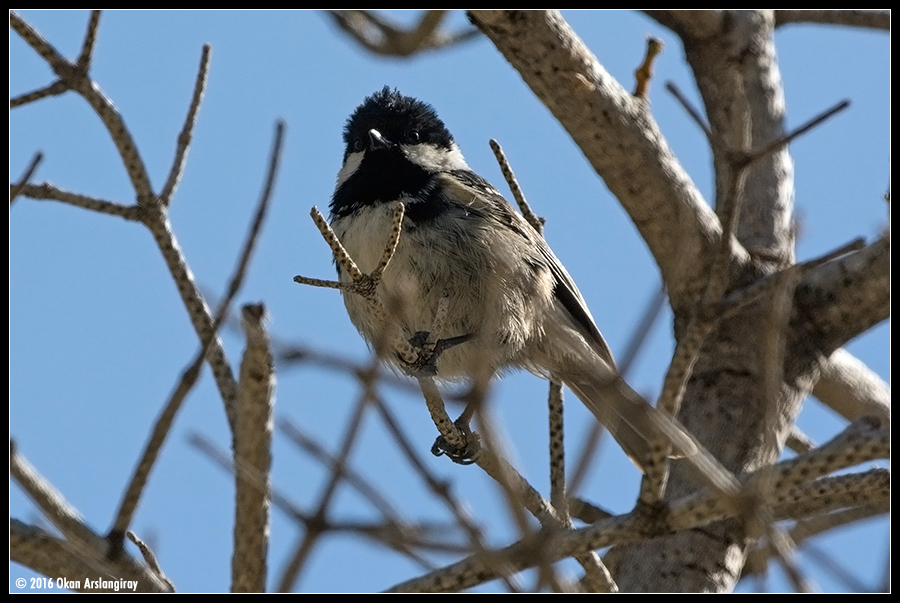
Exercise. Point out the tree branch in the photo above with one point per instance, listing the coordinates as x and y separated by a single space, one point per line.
618 136
845 297
740 83
852 389
253 449
871 19
382 37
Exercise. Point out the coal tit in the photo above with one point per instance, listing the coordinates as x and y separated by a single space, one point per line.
506 296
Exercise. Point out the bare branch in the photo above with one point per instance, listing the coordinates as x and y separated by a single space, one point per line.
536 221
188 379
49 500
799 442
45 553
691 23
815 496
316 527
845 297
50 192
187 132
382 37
852 389
155 218
452 434
675 91
871 19
353 478
83 552
558 495
79 81
739 80
645 71
87 47
149 558
253 448
16 189
617 135
55 89
861 442
152 213
800 131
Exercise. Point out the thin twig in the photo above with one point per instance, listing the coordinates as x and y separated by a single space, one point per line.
55 89
91 92
393 240
16 189
316 527
798 441
366 285
441 489
402 537
49 192
558 496
184 138
506 169
797 132
49 500
83 63
149 558
675 91
353 478
645 72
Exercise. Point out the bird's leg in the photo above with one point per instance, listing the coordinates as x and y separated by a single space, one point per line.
468 453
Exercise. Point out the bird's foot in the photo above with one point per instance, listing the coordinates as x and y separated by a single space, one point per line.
468 453
426 365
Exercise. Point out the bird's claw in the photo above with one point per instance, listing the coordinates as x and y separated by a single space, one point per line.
466 455
426 364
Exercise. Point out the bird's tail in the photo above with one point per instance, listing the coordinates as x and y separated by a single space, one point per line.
629 418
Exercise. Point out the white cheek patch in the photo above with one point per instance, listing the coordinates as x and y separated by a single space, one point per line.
434 159
349 168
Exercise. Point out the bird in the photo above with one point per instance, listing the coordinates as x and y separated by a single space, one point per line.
505 300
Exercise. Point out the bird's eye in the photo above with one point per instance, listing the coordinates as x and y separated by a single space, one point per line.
359 145
413 136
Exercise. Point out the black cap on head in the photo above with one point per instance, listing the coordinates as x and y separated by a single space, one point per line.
400 119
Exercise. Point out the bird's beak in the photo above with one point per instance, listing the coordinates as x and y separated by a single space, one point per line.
377 141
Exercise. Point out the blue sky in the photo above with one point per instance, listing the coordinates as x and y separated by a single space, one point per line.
98 335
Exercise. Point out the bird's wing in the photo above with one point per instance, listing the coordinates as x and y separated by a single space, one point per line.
477 193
